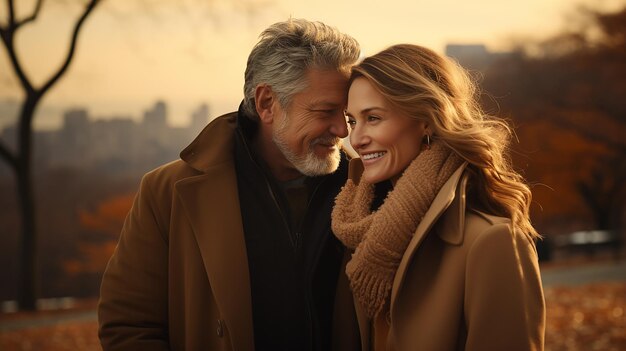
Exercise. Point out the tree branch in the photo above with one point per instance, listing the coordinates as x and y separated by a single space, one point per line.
31 17
88 9
7 35
7 155
11 14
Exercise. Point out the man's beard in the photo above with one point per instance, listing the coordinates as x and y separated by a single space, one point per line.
308 164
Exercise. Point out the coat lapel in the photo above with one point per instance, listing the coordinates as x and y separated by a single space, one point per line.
211 201
442 201
212 204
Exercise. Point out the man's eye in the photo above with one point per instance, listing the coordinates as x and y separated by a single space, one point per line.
326 112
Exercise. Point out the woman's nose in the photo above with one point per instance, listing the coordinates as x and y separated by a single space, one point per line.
358 138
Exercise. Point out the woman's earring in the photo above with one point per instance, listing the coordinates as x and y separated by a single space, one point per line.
427 142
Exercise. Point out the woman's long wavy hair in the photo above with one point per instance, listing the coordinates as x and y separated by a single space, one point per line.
436 90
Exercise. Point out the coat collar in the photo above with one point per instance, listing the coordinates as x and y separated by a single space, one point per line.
214 145
211 202
448 205
451 199
450 227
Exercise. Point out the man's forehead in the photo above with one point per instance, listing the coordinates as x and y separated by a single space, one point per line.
326 103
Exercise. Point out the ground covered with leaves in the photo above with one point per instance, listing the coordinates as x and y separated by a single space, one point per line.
589 317
585 318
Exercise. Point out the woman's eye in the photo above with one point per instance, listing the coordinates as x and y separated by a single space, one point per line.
372 118
351 122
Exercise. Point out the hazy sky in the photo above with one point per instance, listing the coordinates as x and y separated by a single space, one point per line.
188 52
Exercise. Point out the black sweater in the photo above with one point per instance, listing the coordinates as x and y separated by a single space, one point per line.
293 268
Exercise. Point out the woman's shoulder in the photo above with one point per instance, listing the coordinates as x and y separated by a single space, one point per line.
486 219
487 230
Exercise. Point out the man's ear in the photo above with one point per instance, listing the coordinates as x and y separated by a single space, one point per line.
264 99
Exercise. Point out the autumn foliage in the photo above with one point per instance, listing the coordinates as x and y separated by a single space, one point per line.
565 97
106 220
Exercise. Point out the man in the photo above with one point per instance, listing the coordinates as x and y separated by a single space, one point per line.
230 247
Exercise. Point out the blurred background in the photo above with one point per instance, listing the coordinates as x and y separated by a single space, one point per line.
95 93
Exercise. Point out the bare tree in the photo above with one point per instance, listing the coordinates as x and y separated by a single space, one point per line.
20 160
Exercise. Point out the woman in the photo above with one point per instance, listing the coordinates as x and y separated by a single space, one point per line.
445 260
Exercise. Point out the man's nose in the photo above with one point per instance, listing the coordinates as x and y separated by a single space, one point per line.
339 126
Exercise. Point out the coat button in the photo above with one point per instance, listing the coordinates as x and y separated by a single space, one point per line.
220 328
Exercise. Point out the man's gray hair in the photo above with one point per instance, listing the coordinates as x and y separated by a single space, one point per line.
286 50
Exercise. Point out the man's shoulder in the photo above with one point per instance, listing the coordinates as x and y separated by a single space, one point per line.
170 173
211 146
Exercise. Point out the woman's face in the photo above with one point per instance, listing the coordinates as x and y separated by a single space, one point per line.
386 138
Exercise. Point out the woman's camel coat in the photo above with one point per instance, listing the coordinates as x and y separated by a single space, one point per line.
464 283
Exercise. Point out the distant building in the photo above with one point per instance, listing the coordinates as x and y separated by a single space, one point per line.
199 119
117 145
473 56
155 121
156 116
75 135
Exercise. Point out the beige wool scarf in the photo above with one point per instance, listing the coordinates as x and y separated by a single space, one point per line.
380 238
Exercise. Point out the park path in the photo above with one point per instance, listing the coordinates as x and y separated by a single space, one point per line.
47 320
608 271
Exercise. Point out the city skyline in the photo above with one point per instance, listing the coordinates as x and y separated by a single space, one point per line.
56 114
120 146
132 54
473 56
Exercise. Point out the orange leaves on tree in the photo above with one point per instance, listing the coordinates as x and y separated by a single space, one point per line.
106 220
109 215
